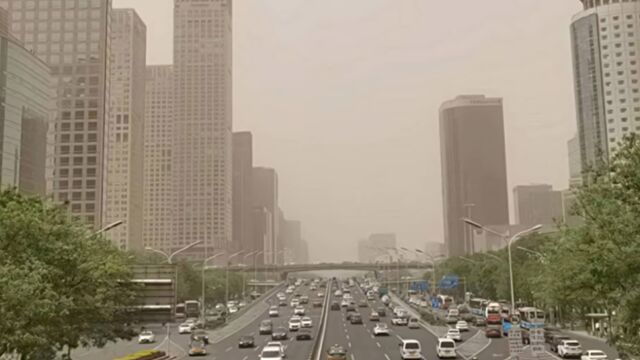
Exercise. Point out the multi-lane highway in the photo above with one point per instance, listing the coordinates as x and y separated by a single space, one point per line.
357 339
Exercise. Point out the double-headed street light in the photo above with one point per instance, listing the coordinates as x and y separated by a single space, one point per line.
432 259
226 285
509 240
540 255
244 273
204 267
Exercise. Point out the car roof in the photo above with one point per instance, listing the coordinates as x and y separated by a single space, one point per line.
271 348
445 340
454 330
410 341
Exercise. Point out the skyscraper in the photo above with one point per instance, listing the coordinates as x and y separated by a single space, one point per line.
376 247
242 186
474 171
125 139
265 198
72 37
606 52
537 204
158 157
202 109
25 114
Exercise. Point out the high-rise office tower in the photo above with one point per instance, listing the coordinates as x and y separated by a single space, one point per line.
265 198
158 147
242 186
537 204
125 135
72 37
474 171
202 109
606 51
25 115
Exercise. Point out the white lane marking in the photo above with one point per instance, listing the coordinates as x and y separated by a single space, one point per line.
353 357
377 343
399 338
245 358
348 337
349 344
229 349
387 356
372 336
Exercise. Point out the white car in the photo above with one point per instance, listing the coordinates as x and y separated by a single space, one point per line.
399 321
273 311
569 348
271 353
462 325
277 344
289 291
413 324
344 303
446 348
320 294
146 337
410 349
185 328
306 322
294 324
299 310
454 334
338 293
594 355
381 329
233 310
294 303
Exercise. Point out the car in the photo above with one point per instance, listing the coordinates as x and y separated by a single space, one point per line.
356 319
320 294
344 303
549 333
374 316
351 308
200 335
556 340
317 303
410 349
279 333
337 294
281 296
382 312
282 303
399 321
336 352
273 311
446 348
299 310
306 322
272 353
294 302
303 334
246 341
451 319
479 322
363 304
381 329
462 325
289 291
304 299
294 324
266 327
146 337
242 304
185 328
593 355
335 305
492 332
413 323
569 348
454 334
197 348
277 344
233 310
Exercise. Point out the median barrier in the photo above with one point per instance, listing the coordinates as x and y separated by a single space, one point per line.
146 355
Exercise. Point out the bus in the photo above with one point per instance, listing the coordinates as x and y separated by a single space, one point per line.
477 306
180 311
492 313
192 309
505 312
531 318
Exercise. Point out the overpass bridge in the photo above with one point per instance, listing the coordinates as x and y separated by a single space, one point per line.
292 268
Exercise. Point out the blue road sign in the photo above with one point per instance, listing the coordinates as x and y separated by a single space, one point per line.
449 282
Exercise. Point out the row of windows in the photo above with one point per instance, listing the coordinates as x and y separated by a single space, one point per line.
51 4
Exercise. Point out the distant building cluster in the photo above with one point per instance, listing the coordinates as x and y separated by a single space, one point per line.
377 248
86 120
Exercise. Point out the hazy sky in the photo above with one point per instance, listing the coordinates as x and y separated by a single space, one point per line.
342 97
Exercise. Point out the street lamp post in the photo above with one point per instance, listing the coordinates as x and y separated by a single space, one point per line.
204 267
109 227
255 269
226 285
169 261
432 259
509 241
244 273
397 267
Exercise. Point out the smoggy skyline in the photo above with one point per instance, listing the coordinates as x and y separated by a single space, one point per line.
342 99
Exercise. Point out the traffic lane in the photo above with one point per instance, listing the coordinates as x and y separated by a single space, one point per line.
588 343
295 349
354 338
497 349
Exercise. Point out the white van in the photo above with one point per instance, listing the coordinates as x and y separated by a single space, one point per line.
410 350
446 348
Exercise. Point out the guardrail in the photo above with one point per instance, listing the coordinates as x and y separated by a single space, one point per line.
316 353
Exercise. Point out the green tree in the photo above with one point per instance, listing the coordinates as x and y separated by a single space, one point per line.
61 286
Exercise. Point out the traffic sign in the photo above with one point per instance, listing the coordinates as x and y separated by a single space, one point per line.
449 282
536 337
515 341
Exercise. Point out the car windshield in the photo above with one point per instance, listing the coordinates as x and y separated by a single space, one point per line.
412 346
447 344
146 333
339 350
382 326
572 343
198 343
454 331
597 353
270 353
